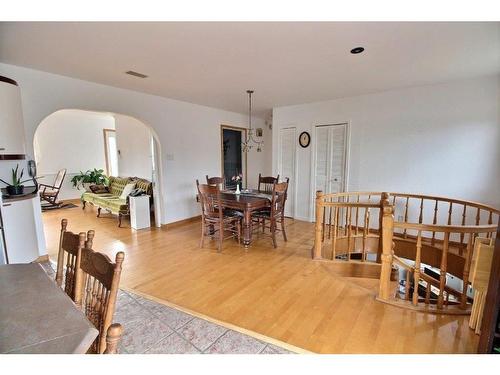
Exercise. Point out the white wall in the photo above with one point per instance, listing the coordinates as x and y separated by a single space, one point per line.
439 139
70 139
189 134
133 141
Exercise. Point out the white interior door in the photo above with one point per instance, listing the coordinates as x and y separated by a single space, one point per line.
286 167
330 159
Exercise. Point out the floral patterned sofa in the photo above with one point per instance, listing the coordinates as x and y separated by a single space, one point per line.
110 200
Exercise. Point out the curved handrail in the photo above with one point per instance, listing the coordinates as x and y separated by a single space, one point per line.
413 195
345 229
446 228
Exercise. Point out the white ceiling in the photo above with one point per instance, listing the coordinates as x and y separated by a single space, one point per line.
285 63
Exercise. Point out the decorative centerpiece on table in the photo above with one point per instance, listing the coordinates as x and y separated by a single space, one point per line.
16 187
237 179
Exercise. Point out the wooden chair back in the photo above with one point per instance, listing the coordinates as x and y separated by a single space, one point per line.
59 179
68 257
216 181
279 198
266 183
210 200
113 337
97 282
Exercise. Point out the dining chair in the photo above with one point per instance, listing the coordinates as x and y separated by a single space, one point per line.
267 183
113 338
276 214
216 181
214 220
68 257
96 290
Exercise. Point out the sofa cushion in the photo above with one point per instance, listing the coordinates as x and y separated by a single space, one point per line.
117 184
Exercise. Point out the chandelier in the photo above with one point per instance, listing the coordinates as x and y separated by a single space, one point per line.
250 141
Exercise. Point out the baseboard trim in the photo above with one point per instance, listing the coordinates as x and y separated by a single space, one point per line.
179 223
256 335
42 258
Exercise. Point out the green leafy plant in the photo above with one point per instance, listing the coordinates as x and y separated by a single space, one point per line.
95 176
16 178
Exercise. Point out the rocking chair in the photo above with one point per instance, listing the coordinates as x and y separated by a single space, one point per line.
49 193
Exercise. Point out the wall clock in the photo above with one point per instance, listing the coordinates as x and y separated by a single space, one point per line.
304 139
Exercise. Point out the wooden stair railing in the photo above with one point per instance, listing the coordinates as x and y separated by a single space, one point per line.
429 233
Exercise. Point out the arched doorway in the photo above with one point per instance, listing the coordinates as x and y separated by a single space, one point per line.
79 140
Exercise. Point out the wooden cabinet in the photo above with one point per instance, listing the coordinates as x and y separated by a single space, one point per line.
12 141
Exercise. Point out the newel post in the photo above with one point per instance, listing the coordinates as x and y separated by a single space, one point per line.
384 201
318 226
387 229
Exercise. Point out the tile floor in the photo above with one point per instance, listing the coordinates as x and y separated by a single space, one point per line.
153 328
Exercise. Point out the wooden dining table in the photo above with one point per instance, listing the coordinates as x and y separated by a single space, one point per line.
36 316
247 202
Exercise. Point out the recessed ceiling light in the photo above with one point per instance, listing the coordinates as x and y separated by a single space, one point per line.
136 74
357 50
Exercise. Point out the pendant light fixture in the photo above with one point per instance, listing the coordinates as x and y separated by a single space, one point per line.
250 141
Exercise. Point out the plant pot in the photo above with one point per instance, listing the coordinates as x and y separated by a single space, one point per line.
15 190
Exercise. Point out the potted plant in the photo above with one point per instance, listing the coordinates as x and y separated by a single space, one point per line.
90 177
16 187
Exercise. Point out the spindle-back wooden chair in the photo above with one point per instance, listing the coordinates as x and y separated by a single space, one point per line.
266 183
97 282
216 181
68 257
213 219
276 215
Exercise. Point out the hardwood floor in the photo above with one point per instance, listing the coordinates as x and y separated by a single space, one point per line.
280 293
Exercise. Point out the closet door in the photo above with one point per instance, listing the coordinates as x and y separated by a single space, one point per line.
329 159
286 167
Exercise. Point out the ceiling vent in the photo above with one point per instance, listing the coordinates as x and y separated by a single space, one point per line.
136 74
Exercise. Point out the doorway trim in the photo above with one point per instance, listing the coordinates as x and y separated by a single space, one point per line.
295 167
158 185
347 151
221 145
106 148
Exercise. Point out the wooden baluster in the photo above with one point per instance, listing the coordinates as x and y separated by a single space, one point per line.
349 232
416 272
357 210
346 217
462 235
318 226
421 216
450 211
335 226
434 221
478 216
465 278
407 285
406 215
330 220
323 221
387 230
365 232
442 269
428 294
490 221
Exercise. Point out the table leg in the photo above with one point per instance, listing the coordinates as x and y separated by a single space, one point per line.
247 228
